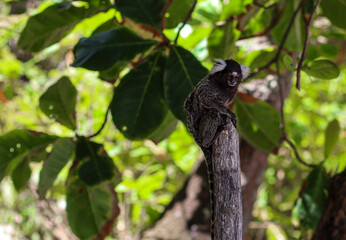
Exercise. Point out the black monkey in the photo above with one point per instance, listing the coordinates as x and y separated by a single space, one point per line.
208 113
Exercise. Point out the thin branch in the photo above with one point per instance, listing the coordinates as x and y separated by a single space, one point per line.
296 153
282 42
282 125
300 65
103 124
265 31
165 8
260 5
185 21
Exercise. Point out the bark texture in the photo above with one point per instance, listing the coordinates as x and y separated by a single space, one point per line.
227 185
333 222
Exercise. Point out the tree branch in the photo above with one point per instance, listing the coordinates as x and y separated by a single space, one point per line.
300 65
227 186
185 21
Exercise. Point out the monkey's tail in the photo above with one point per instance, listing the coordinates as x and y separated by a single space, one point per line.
208 160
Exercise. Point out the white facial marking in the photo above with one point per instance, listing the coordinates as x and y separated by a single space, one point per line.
245 70
218 66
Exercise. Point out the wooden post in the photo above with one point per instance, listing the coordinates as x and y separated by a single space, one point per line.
227 186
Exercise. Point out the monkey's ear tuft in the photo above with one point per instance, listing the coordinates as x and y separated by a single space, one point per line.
245 70
218 66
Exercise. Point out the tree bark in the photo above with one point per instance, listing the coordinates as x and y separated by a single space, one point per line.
227 186
333 222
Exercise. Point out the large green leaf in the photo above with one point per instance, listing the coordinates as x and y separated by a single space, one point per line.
323 69
101 51
259 124
221 41
183 71
51 25
335 10
138 106
88 208
331 137
165 129
59 102
177 12
19 143
142 11
21 174
62 151
309 208
96 166
295 39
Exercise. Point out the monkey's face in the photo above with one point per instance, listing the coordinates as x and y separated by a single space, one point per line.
229 73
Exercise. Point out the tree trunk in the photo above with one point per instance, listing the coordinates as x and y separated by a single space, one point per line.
333 222
227 186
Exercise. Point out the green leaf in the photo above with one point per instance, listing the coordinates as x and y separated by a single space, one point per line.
97 166
263 58
177 12
88 208
323 69
138 106
101 51
106 26
221 41
234 7
59 102
21 175
183 71
288 63
259 124
335 10
295 39
331 137
165 129
62 151
51 25
112 74
309 208
142 11
19 143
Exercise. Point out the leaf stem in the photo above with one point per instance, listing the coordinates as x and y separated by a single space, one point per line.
308 25
103 124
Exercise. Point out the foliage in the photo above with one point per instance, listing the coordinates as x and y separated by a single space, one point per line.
137 61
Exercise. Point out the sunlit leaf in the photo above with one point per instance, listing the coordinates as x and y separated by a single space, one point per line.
221 41
51 25
21 175
288 63
138 106
323 69
142 11
177 12
101 51
234 7
331 137
96 166
335 10
16 143
259 124
59 102
62 151
183 71
88 208
310 206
